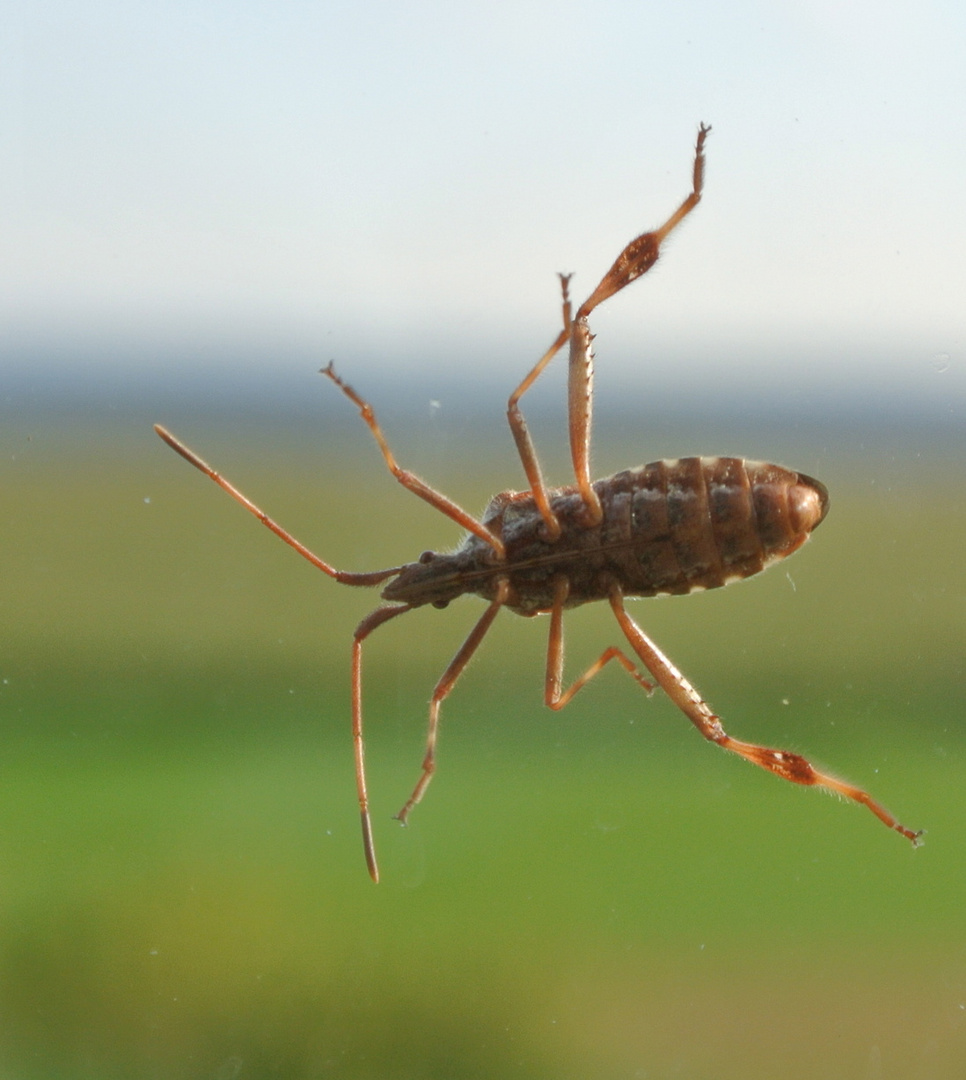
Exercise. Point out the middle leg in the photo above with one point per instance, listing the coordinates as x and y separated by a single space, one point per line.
446 683
553 697
518 423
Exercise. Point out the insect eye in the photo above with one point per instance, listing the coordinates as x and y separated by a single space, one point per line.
440 604
427 556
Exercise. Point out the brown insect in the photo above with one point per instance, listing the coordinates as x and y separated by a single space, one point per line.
670 527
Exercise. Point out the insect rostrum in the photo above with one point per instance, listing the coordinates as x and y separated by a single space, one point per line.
669 527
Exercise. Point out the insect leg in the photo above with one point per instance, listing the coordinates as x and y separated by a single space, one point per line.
446 683
552 695
346 577
363 630
636 259
580 401
641 254
410 480
782 763
518 425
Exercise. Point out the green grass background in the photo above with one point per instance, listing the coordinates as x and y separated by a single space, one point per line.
594 893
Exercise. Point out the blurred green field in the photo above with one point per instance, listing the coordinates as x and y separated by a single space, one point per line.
594 893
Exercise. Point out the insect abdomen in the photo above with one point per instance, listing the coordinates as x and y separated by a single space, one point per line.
698 523
668 527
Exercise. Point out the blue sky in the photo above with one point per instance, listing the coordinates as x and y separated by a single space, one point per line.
395 185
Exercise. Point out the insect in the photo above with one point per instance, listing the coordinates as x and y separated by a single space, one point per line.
670 527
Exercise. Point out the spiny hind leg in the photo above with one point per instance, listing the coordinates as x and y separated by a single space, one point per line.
642 252
782 763
635 260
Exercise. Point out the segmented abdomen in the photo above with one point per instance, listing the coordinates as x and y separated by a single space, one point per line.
669 527
698 523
